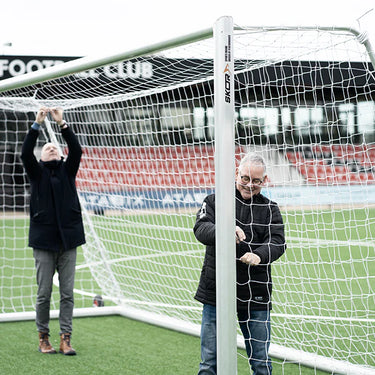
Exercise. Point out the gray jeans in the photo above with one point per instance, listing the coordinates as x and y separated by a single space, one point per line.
46 263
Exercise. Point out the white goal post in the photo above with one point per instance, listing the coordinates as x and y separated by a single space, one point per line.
148 121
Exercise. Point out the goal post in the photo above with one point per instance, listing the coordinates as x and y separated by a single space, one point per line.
224 198
148 122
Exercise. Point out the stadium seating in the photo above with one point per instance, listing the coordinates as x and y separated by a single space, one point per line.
335 164
111 169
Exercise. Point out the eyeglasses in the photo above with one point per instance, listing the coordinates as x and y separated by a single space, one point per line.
254 181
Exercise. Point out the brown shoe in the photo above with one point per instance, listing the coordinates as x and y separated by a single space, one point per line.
44 344
65 347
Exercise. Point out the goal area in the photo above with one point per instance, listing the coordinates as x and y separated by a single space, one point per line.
303 97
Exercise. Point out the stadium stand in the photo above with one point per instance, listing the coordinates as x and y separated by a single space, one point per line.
111 169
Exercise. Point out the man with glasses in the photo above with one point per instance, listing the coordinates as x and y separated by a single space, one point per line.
260 241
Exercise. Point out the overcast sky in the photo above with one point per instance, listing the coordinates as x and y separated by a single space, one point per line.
94 27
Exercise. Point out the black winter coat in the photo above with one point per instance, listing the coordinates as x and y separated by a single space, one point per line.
262 223
55 211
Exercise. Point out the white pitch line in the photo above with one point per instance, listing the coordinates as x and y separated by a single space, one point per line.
138 257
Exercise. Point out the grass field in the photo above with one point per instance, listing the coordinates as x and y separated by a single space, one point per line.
112 345
323 290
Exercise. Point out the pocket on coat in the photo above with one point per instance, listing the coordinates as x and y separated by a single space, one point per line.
39 217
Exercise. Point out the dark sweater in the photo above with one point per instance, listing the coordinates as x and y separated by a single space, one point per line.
262 223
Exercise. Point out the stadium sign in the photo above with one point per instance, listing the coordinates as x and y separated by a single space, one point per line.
12 66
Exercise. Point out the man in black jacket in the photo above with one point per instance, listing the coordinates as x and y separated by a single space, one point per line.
56 227
260 241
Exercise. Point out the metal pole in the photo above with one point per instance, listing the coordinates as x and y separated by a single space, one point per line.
225 199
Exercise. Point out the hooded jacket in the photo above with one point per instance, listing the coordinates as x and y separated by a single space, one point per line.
55 211
262 223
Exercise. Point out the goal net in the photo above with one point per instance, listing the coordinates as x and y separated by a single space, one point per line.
304 99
